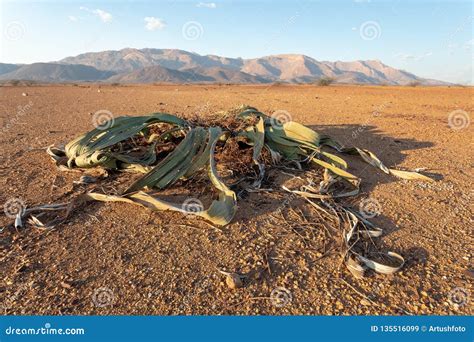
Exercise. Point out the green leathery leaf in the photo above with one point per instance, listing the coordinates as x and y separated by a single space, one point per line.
173 166
203 159
409 175
340 172
122 128
220 212
336 159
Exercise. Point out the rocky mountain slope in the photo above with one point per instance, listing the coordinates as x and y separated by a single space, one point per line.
179 66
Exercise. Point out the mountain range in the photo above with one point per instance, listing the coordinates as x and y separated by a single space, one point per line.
179 66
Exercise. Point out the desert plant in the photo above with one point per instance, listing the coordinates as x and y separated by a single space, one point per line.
167 149
325 81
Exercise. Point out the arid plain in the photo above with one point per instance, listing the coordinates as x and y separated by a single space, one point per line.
115 258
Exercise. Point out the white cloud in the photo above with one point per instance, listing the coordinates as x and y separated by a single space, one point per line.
72 18
410 57
207 4
153 23
106 17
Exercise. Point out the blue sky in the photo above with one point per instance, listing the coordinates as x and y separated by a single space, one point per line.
432 39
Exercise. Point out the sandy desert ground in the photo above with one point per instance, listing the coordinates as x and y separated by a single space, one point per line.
121 259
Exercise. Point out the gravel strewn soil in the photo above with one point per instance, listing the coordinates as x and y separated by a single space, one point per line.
117 258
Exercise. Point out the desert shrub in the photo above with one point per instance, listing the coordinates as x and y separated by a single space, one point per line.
236 140
414 84
325 81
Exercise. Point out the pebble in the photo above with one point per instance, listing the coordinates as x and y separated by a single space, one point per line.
66 285
234 281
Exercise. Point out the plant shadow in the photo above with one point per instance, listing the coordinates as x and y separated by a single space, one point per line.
390 150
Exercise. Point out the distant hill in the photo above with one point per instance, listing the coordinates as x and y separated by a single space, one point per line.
179 66
4 68
158 74
52 72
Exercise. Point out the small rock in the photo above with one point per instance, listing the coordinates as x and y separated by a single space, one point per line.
424 294
469 273
24 94
234 280
66 285
365 302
